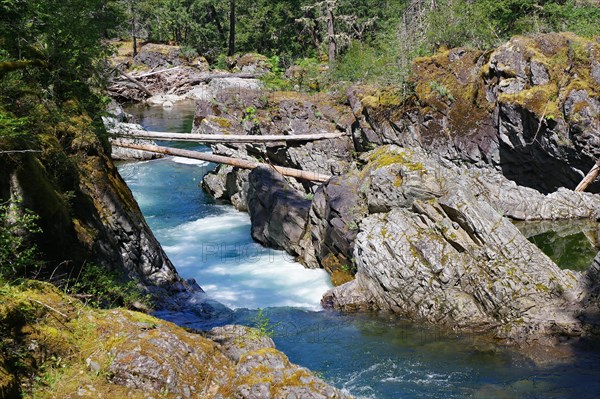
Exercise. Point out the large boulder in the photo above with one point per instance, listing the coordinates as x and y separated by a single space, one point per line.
278 212
436 246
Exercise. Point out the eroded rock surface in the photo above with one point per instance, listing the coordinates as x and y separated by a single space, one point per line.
258 112
278 212
529 109
434 247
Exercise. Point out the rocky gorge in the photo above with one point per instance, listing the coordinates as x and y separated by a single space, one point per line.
415 222
54 345
418 213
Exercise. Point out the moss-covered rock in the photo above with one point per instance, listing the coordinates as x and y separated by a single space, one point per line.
433 244
52 346
528 107
87 213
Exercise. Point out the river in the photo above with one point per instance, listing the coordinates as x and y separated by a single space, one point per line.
371 356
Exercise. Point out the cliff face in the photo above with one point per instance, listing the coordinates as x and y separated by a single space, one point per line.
527 108
87 213
485 137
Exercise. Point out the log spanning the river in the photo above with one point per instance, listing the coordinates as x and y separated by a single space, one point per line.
224 138
239 163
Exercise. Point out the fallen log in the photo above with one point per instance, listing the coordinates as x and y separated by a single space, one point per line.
239 163
144 75
224 138
137 84
589 178
209 77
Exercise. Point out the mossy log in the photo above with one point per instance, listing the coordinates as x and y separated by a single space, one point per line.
238 163
224 138
589 178
9 66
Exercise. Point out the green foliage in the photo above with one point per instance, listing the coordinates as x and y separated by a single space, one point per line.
457 23
18 256
11 126
486 23
263 324
222 62
441 90
250 115
308 74
105 289
369 63
59 46
275 79
351 269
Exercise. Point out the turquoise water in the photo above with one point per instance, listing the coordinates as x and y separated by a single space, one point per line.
371 356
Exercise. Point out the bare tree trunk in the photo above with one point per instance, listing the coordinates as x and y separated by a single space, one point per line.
238 163
589 178
331 31
231 49
225 138
137 83
133 27
212 15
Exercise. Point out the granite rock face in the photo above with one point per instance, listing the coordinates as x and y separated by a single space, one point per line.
278 212
436 246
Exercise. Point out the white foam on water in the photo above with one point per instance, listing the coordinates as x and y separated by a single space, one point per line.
217 252
188 161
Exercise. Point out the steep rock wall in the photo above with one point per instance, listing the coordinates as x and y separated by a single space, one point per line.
87 213
527 108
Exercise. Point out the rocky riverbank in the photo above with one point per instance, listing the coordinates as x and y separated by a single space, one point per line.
76 351
424 228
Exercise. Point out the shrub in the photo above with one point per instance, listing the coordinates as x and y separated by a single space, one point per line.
18 255
105 289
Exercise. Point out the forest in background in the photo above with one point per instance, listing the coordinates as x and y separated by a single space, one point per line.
54 55
368 40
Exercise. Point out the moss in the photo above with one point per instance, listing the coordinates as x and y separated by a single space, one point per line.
339 277
542 288
385 156
222 122
567 59
64 333
382 98
451 83
541 100
252 59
